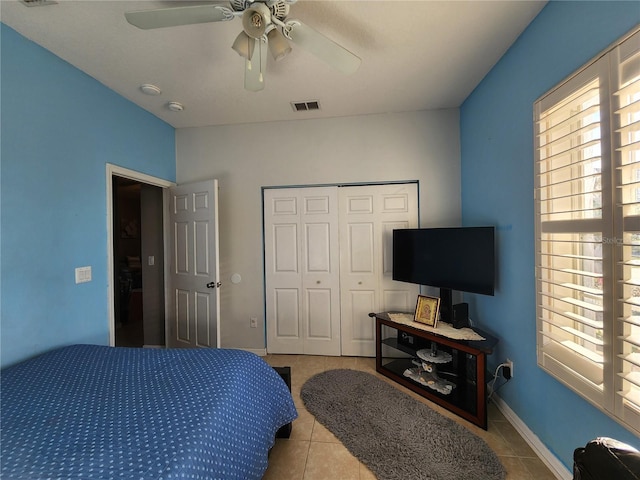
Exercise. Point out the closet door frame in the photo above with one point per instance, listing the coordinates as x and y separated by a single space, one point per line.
290 336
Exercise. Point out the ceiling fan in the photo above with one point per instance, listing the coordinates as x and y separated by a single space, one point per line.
266 26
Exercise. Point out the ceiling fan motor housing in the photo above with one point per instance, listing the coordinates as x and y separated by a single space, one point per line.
280 10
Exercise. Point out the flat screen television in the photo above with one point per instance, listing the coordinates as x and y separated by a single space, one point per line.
454 258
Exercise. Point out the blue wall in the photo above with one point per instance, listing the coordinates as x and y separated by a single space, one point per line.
59 129
497 189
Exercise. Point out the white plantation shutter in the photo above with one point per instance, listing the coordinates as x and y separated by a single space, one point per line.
572 224
588 232
626 125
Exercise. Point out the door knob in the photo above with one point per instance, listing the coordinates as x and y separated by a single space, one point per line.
213 284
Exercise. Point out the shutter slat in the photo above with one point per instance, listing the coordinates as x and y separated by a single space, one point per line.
633 127
631 339
629 147
629 89
577 257
574 347
569 165
631 320
633 377
556 114
574 317
572 150
630 108
632 358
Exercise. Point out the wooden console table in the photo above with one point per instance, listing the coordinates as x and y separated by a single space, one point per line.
459 383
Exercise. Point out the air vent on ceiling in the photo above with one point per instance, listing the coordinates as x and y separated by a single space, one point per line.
38 3
305 106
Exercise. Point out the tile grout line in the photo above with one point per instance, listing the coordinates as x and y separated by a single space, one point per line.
306 458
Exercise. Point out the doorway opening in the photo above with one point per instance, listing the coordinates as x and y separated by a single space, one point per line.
136 211
127 246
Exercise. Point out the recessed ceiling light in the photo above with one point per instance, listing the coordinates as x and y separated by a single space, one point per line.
150 89
175 106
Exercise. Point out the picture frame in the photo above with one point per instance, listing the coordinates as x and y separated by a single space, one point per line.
427 309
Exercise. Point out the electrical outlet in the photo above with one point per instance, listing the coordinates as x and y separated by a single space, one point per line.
253 322
507 369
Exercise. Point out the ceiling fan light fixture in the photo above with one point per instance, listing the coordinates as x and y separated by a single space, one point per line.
256 19
244 45
278 45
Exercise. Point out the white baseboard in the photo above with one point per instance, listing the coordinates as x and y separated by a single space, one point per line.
261 352
549 459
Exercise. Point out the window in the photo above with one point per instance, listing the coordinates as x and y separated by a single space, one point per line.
588 232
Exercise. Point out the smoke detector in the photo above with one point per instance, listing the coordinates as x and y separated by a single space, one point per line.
175 106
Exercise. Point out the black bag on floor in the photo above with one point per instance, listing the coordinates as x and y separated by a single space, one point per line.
606 459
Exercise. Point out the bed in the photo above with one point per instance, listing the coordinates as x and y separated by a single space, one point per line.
96 412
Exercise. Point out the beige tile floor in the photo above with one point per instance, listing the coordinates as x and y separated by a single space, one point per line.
314 453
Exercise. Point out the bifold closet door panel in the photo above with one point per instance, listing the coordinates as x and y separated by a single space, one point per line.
302 270
368 216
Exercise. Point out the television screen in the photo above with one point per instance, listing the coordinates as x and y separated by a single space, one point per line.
458 258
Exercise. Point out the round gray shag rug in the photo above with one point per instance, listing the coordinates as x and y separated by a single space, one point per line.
395 435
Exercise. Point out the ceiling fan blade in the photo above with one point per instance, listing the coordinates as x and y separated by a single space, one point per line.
322 47
172 17
256 66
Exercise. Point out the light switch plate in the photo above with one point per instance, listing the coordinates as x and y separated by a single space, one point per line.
83 274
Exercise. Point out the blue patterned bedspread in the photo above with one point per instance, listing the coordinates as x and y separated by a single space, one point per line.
94 412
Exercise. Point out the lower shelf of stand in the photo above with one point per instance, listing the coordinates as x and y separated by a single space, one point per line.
463 395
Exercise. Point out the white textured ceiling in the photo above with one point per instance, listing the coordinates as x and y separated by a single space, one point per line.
416 55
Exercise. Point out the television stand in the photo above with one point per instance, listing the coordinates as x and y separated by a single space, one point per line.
446 371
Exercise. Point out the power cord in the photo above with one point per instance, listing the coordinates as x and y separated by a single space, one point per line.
495 377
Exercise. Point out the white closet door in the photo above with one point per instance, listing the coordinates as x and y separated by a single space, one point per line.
302 270
368 216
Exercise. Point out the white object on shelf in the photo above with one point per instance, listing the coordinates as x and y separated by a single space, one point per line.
440 357
429 379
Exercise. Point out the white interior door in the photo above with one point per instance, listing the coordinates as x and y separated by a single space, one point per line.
368 216
194 278
302 270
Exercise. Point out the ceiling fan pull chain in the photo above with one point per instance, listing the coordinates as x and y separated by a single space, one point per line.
260 77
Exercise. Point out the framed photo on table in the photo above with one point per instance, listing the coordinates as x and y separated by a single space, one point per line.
427 310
